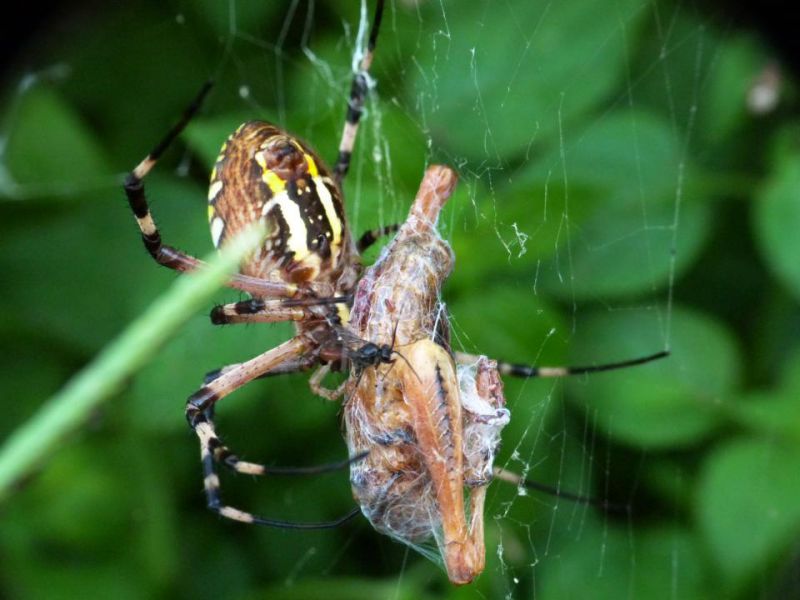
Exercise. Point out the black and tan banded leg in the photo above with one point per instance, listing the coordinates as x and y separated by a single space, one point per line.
358 96
134 190
256 310
372 236
528 371
197 409
222 454
507 476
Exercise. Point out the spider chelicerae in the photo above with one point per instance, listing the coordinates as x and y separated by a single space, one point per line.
306 271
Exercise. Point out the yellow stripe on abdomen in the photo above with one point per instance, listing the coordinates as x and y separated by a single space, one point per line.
333 218
296 238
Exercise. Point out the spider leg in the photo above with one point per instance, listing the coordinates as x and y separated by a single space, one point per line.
518 370
515 479
134 190
297 365
355 104
203 400
236 376
255 310
224 455
370 237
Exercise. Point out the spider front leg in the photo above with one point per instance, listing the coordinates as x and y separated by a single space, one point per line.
134 190
201 402
521 482
256 310
295 366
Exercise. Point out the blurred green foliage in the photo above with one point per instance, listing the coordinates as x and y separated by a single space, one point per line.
617 197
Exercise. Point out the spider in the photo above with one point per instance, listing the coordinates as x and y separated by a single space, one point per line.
305 271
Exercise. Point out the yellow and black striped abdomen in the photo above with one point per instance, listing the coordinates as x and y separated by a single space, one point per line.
265 173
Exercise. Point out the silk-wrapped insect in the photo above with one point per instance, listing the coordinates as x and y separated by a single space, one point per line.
428 429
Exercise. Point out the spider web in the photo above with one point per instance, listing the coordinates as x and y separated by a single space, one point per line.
448 88
574 131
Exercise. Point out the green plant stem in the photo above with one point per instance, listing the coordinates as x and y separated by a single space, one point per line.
98 381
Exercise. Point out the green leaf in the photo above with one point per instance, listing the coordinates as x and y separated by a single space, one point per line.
206 136
655 562
61 254
618 253
747 505
777 213
673 402
489 96
594 220
739 62
51 152
770 412
78 482
774 411
31 442
630 156
615 236
344 588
